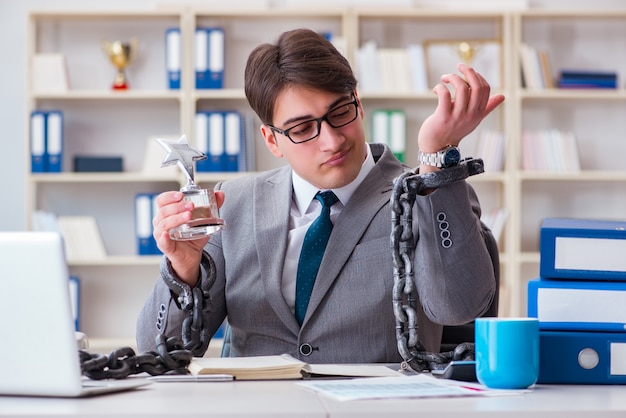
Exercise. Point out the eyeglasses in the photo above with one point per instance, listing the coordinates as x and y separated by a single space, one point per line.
310 129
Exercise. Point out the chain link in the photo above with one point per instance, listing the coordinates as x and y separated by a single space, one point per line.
172 355
122 362
405 189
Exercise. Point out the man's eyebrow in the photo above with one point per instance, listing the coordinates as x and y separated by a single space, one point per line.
309 117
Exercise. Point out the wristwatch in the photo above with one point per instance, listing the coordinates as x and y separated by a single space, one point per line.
448 157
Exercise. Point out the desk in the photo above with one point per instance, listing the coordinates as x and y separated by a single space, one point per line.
286 399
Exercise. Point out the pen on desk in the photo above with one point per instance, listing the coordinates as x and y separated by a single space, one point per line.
192 378
472 388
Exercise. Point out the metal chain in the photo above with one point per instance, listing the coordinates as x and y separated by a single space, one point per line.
172 355
122 362
405 189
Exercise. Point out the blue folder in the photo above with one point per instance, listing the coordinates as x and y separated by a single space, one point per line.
583 249
582 357
578 305
173 57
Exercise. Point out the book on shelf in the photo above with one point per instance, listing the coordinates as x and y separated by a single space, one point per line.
546 69
587 79
535 73
583 249
281 367
154 155
550 150
42 220
49 73
490 147
82 238
582 305
391 70
389 127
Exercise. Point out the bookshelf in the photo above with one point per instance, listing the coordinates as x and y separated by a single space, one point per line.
581 40
99 121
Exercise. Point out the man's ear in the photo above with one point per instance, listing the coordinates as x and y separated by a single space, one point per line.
361 111
270 141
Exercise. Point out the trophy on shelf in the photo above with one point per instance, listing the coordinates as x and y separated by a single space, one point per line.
205 218
466 51
121 55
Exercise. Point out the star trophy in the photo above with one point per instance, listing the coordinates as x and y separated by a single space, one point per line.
121 55
205 216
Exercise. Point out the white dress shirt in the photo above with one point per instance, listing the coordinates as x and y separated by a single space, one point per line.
304 210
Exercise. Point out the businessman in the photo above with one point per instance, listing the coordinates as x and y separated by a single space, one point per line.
305 94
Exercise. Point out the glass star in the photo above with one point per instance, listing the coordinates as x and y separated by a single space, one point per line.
182 154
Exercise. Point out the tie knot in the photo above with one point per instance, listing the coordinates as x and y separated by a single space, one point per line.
327 198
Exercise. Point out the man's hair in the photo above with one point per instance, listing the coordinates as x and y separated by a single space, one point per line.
300 57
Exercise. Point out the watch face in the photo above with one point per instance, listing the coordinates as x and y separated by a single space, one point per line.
451 157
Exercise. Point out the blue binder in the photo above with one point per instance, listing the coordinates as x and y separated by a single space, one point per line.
201 140
233 128
54 141
74 284
38 141
583 249
582 357
143 224
577 305
209 58
173 57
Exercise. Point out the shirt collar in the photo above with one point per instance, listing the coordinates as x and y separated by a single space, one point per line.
304 192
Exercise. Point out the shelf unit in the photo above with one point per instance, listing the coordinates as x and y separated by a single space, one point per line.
102 122
584 40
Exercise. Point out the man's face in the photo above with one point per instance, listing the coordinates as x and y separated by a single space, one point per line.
332 159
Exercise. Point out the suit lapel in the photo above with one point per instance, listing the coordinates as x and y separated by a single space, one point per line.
271 217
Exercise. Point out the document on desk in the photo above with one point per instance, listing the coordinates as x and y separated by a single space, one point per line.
418 386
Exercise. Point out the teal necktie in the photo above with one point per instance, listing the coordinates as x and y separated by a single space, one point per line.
312 252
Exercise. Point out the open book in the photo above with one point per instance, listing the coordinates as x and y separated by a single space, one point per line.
281 367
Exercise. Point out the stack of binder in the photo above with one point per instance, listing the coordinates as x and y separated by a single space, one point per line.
389 127
221 136
46 141
580 301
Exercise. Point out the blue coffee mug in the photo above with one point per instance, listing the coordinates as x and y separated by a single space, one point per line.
507 352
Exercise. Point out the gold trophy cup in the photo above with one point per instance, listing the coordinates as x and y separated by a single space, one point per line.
121 55
466 51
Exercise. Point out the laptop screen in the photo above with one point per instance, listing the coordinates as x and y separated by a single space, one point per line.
38 342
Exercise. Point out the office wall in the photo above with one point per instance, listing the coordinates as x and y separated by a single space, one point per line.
13 119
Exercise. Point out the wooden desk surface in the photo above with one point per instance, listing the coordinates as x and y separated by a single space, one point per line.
287 399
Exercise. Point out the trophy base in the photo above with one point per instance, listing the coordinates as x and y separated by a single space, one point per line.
199 228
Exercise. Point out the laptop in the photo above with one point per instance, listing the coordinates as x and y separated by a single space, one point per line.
38 346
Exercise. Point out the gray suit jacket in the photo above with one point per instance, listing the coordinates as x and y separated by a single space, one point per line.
350 317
